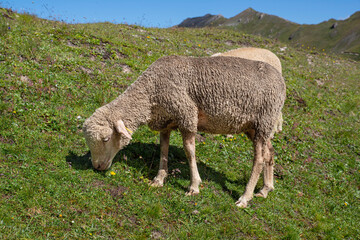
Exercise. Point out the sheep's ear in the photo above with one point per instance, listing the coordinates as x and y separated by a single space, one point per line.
120 128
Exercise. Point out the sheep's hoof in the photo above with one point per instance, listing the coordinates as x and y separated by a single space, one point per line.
260 194
264 192
241 203
156 183
192 192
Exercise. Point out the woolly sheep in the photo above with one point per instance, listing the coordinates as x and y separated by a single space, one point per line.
219 95
258 54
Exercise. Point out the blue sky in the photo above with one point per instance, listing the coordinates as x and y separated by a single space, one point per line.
165 13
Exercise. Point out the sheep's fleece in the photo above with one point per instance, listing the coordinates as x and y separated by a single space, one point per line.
258 54
212 94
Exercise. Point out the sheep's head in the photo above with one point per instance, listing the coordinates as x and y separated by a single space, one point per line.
105 141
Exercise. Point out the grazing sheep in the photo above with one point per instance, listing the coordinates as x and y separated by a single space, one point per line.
258 54
219 95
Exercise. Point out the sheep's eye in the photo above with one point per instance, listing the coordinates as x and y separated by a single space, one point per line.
106 139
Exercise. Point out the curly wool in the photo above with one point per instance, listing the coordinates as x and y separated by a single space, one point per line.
211 94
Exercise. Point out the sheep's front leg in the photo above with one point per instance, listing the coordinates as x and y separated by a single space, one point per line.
268 171
164 151
189 147
255 174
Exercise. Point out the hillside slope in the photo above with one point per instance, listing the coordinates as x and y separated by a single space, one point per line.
54 75
339 36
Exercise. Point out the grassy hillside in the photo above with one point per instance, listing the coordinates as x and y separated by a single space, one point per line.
54 75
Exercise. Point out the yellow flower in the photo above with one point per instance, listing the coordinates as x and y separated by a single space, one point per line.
14 111
195 204
199 45
346 203
203 142
112 173
60 215
148 37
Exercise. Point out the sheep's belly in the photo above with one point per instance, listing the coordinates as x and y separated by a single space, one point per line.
221 124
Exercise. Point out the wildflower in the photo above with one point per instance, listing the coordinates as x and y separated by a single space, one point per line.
182 209
199 45
148 37
90 234
203 142
346 203
9 28
14 111
60 215
112 173
195 204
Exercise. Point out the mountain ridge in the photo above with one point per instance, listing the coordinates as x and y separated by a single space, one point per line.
338 36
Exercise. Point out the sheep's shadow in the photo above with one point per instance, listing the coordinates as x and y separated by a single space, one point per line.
146 157
82 162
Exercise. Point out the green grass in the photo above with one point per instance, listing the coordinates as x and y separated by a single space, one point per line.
54 75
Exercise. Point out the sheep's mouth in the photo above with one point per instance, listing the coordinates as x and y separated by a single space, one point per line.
104 165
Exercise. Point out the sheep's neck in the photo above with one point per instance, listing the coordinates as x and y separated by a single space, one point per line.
133 107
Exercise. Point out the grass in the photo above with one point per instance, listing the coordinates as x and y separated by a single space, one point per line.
54 75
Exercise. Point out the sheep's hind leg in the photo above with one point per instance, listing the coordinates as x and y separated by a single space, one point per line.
255 174
189 147
163 168
268 171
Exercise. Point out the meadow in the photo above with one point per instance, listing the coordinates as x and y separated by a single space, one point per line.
54 75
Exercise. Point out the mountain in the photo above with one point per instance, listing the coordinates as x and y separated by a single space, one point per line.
339 36
205 21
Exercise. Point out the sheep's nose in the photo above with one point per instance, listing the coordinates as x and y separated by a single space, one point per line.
97 166
100 166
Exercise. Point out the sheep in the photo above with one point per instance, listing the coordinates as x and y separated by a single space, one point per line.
258 54
220 95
